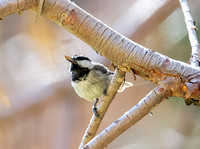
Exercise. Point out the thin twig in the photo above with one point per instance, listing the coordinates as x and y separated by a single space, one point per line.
131 117
39 10
195 58
103 106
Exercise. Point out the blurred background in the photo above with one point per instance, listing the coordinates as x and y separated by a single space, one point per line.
39 108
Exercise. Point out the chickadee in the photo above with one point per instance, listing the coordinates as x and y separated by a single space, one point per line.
90 79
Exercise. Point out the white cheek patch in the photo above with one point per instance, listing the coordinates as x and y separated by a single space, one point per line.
85 64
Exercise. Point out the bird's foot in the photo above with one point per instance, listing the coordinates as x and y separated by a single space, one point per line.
94 108
95 111
105 92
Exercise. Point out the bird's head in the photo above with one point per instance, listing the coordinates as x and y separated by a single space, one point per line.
80 61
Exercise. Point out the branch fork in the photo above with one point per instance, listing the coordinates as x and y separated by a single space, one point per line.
174 78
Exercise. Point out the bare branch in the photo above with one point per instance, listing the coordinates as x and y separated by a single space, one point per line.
102 108
190 23
129 118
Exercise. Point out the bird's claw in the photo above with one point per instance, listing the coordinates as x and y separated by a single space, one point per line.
95 111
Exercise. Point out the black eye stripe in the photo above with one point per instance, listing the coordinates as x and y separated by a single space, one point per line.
78 73
80 57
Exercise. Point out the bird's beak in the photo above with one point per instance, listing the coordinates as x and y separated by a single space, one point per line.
69 59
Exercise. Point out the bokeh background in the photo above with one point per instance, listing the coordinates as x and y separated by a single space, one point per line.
39 108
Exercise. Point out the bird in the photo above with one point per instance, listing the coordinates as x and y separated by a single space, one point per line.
90 79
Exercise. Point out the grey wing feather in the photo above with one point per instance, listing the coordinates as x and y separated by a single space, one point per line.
102 68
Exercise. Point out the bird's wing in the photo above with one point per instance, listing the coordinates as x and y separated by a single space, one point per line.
101 68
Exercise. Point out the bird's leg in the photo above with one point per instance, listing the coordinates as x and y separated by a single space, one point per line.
94 108
124 82
105 93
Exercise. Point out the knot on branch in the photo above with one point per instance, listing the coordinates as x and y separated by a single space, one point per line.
189 90
172 84
192 91
68 19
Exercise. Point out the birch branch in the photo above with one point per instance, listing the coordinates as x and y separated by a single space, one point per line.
103 106
129 118
190 23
